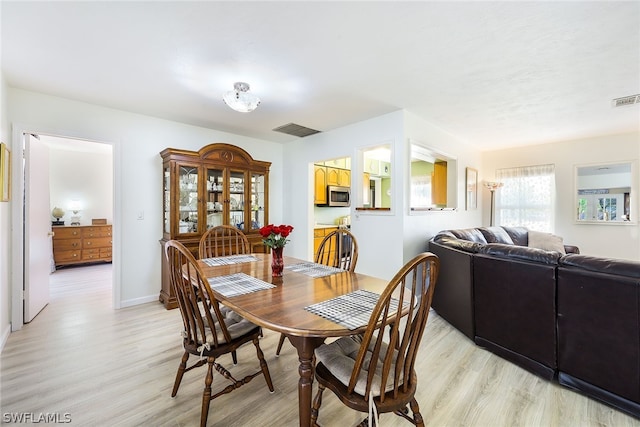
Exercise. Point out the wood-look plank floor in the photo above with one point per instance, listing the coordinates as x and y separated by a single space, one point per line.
106 367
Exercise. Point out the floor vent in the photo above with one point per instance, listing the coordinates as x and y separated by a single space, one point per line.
626 100
296 130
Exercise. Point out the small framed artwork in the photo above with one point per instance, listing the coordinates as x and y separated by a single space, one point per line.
5 173
472 189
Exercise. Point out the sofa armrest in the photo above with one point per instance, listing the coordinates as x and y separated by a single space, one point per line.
570 249
456 243
618 267
521 252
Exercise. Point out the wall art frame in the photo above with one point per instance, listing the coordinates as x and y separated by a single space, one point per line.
471 185
5 173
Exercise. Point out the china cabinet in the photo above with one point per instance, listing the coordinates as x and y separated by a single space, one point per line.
220 184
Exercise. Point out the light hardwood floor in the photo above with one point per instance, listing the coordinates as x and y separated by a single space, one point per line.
108 367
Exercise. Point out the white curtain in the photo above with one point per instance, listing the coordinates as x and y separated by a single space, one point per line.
527 197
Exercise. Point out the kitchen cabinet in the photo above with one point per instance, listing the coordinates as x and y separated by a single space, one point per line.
320 185
439 184
340 177
220 184
325 175
76 244
319 234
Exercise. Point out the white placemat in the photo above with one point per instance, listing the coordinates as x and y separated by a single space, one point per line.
312 269
236 284
352 310
231 259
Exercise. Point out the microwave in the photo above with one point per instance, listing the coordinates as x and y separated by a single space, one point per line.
338 196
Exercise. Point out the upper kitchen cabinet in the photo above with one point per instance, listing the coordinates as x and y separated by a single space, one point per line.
220 184
334 172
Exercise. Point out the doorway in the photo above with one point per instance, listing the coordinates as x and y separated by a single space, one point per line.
88 168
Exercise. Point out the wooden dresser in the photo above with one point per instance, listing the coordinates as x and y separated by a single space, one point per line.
80 244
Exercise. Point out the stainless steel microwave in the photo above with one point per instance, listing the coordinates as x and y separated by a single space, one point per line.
338 196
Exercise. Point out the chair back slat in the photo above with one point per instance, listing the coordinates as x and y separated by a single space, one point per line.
223 240
400 315
338 249
201 315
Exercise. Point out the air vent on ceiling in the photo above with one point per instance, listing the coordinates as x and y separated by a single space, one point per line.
626 100
296 130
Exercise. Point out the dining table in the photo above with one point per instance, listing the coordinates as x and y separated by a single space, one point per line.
286 304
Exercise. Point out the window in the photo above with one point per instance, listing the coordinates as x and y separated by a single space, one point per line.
527 197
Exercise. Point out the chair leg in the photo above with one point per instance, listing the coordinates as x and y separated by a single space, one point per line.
234 356
282 337
263 365
206 395
181 369
315 408
417 417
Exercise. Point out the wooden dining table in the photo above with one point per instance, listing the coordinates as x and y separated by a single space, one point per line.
282 309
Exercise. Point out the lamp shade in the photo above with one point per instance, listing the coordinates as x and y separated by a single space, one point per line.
492 185
240 99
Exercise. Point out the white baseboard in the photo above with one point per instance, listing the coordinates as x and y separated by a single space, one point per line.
5 337
138 301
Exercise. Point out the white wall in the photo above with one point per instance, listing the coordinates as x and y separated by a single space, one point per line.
421 226
137 142
608 240
83 176
5 228
385 240
380 249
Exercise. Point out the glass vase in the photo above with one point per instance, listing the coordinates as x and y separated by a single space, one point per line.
277 263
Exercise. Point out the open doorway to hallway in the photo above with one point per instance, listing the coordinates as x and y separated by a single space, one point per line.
80 192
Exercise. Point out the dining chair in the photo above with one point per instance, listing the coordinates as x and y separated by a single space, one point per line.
209 332
338 249
375 372
223 240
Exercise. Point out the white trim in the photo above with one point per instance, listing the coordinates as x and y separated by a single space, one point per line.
5 337
138 301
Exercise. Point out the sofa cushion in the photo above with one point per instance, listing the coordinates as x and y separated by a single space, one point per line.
500 250
471 234
496 235
546 241
519 235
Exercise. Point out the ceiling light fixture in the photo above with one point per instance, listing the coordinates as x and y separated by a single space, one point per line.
240 99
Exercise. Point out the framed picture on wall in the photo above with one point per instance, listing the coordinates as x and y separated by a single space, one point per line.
5 173
471 201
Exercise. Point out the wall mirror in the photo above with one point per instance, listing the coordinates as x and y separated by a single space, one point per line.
434 179
605 193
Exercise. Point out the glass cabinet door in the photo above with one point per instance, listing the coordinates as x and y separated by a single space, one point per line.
257 201
215 186
166 199
236 200
188 199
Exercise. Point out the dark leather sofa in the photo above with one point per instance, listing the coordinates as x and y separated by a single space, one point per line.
566 317
500 293
599 329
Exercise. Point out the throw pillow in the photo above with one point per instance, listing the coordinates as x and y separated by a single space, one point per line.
546 241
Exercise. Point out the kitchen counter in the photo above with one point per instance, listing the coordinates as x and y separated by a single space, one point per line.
320 226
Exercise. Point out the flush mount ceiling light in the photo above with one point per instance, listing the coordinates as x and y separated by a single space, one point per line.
240 99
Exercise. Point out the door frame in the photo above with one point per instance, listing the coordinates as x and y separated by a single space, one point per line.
17 213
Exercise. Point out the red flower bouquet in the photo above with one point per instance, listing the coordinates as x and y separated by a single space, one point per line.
275 236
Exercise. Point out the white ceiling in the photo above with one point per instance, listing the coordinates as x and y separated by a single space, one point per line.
495 74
